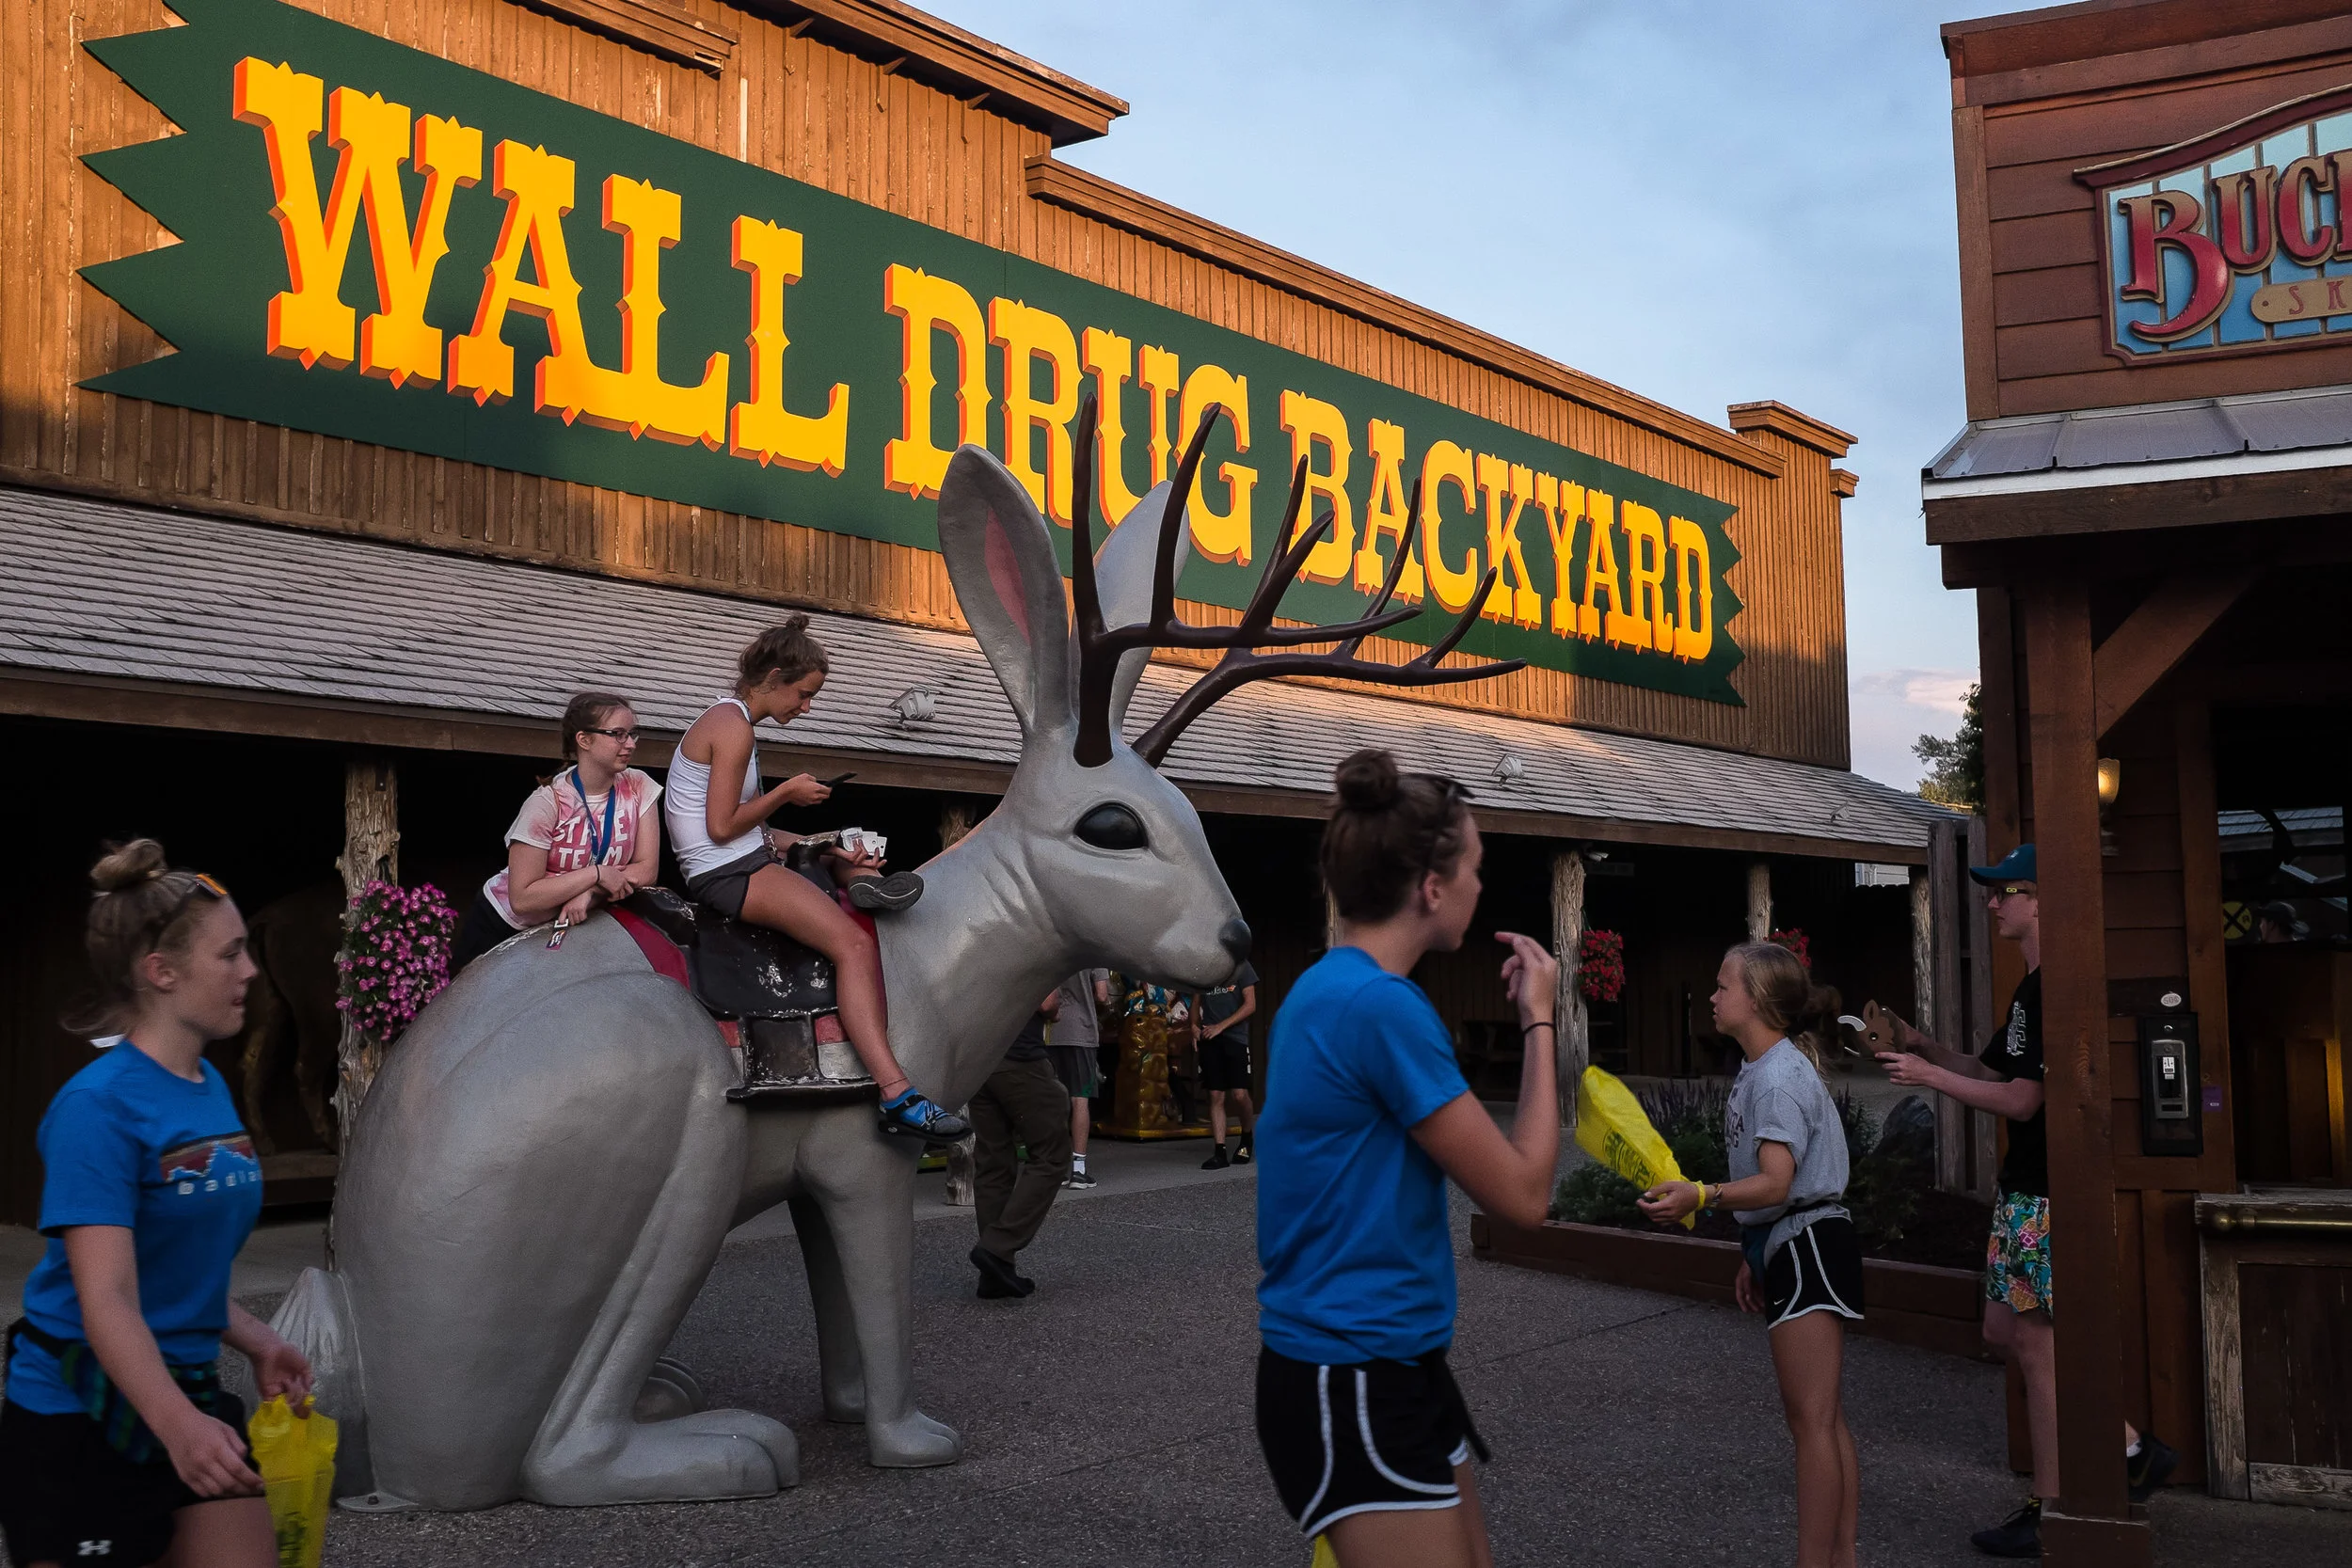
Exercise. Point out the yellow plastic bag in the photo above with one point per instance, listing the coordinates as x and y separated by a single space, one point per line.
1324 1556
1611 1127
295 1454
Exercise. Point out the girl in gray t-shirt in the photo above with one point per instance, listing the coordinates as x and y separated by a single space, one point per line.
1802 1262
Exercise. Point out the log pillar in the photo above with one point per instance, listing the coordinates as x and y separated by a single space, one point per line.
1759 900
371 854
1936 900
2090 1522
1984 1153
1571 1032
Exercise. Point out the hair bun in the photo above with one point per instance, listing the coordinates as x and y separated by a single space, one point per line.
1367 779
128 864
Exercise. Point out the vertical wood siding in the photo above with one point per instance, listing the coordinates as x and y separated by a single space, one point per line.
826 117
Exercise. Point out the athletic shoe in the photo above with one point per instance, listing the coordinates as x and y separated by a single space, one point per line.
1080 1180
913 1114
1218 1161
1241 1151
2019 1535
887 895
2148 1469
998 1280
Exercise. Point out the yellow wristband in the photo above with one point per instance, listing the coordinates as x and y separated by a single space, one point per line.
1702 1187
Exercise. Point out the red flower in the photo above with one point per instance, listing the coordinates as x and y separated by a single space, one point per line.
1600 966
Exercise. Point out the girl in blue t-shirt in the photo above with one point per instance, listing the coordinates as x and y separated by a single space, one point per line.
117 1441
1365 1432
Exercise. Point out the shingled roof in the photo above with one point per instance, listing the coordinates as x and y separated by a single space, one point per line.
114 594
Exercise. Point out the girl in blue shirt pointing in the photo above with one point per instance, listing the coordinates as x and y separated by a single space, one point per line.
1365 1432
117 1441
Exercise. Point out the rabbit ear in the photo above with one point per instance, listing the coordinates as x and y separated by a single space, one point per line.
1000 556
1122 575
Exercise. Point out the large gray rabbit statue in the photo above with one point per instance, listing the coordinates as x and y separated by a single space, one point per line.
548 1162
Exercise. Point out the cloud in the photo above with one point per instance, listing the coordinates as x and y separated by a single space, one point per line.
1893 709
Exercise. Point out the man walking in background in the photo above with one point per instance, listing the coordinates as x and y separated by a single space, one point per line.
1224 1014
1074 1048
1020 1104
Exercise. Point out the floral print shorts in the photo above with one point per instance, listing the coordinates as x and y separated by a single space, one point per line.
2017 1255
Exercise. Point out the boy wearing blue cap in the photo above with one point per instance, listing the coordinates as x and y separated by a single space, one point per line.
2007 1080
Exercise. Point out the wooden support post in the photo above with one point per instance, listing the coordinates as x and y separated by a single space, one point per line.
2091 1520
1759 900
370 853
1572 1029
1935 951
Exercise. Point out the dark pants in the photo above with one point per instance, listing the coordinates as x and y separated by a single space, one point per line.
1021 1102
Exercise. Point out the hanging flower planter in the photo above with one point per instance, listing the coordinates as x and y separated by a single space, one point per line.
1600 966
1794 940
394 957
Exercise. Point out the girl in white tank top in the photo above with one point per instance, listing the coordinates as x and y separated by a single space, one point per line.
717 815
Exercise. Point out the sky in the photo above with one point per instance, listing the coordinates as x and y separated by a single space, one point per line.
1704 201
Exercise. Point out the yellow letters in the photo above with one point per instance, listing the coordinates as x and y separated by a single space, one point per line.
1447 463
1026 335
310 322
637 399
1161 380
1600 568
1110 359
536 185
760 426
1310 420
1649 625
1695 612
1563 508
1521 605
1387 511
1220 536
911 462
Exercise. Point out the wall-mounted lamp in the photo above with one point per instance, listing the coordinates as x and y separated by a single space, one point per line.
2111 785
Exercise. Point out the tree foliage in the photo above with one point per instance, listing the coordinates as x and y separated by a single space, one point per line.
1956 766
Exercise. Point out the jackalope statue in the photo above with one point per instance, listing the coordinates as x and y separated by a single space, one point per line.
550 1162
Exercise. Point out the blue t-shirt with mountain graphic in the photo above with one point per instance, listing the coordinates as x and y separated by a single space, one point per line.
127 1142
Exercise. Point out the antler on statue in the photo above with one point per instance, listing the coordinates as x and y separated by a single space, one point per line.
1099 648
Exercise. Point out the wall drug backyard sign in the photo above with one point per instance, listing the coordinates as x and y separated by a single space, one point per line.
2236 241
553 291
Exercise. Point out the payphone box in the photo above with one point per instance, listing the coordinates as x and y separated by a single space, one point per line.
2171 1099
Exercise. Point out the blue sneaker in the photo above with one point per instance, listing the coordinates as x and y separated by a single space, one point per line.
913 1114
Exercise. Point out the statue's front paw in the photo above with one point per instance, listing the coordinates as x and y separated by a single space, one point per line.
713 1453
913 1442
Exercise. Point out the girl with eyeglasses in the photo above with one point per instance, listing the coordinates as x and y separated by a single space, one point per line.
116 1440
589 835
1367 1436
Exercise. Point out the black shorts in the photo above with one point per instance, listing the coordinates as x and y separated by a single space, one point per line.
1225 1063
482 929
722 887
66 1497
1817 1269
1356 1437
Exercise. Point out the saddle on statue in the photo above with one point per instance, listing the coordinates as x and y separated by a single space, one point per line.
772 997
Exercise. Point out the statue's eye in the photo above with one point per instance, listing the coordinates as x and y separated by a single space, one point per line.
1113 826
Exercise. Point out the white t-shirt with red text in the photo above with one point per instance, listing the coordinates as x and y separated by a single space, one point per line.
557 819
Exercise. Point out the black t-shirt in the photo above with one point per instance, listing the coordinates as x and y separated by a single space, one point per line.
1029 1045
2016 1053
1224 1001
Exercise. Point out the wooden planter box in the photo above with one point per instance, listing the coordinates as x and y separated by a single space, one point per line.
1938 1309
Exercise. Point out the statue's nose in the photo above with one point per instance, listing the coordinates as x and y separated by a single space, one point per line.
1235 939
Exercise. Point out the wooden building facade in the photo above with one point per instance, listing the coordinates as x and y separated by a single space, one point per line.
153 372
2150 505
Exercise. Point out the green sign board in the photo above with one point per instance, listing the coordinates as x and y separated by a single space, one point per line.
379 245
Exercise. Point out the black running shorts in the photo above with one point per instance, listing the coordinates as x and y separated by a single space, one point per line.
1356 1437
66 1497
1225 1064
1817 1269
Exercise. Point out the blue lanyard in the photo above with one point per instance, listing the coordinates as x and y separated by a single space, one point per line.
597 845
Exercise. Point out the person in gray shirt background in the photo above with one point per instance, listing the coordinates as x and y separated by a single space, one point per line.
1074 1048
1801 1264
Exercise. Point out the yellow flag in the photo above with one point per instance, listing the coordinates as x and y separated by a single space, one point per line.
1611 1127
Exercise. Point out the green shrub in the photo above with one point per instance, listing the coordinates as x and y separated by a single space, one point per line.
1881 1187
1594 1194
